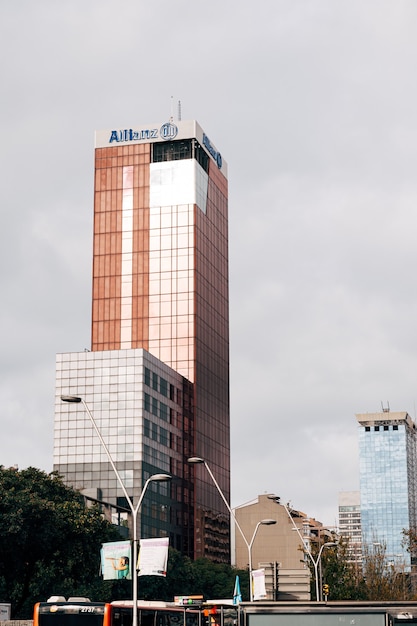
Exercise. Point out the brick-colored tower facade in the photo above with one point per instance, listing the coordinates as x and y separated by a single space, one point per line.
160 283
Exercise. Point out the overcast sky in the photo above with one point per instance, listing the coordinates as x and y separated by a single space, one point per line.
313 104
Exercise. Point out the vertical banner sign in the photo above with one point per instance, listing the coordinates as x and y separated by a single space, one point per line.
258 582
115 560
153 557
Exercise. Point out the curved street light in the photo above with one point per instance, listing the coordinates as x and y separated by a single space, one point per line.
196 460
263 522
134 509
328 544
307 551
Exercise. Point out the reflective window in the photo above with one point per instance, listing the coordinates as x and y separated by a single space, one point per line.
387 485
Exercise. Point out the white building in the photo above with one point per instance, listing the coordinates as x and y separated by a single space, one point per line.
350 523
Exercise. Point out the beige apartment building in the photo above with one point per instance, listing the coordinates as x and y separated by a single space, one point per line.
280 548
280 542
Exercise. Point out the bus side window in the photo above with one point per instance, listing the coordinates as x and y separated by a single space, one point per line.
147 618
192 619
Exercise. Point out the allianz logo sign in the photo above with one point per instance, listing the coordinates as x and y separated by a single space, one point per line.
167 131
216 155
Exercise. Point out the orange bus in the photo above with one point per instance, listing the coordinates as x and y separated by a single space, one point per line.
82 612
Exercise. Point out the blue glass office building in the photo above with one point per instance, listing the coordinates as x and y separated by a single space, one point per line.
387 462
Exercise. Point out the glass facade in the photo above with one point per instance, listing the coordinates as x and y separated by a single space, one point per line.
140 408
160 283
387 457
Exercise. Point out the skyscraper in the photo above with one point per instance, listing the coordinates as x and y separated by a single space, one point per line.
157 376
388 487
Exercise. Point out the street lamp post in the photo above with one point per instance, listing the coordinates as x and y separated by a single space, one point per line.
263 522
307 551
134 509
316 562
196 460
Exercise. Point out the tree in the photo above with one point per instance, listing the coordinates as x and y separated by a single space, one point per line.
410 543
187 577
344 578
50 545
384 579
217 580
49 540
375 578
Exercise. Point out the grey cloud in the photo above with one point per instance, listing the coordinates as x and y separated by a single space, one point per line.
313 106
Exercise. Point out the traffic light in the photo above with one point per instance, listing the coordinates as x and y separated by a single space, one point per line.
326 590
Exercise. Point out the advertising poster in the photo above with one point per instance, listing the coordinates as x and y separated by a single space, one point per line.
258 582
153 557
115 560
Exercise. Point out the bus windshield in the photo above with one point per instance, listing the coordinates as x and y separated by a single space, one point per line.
69 614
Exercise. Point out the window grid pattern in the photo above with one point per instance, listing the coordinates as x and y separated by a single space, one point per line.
115 385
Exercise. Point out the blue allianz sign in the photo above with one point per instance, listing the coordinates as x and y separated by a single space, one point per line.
167 131
133 135
211 149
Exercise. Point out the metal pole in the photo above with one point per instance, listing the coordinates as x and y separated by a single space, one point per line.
134 510
216 484
134 516
103 443
267 522
307 551
226 502
250 560
316 574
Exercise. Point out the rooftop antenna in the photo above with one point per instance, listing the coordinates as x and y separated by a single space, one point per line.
171 119
179 110
385 409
